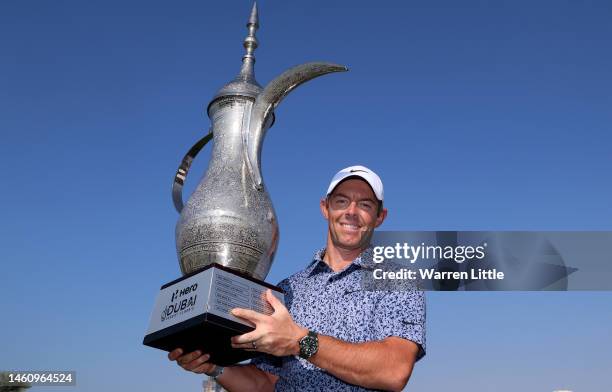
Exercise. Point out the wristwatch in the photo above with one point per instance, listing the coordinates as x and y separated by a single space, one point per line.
309 345
217 372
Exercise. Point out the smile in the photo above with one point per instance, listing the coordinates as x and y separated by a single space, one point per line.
349 226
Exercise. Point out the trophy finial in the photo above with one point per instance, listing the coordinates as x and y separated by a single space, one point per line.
244 84
254 18
247 71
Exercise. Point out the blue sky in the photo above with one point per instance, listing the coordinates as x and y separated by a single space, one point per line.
477 115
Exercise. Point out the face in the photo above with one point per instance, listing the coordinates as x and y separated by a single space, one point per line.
352 214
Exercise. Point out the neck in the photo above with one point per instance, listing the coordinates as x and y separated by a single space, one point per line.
338 258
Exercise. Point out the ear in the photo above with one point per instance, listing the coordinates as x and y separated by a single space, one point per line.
381 217
324 210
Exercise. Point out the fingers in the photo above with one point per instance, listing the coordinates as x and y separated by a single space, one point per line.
205 368
249 345
185 359
273 301
197 362
174 354
246 338
246 347
247 314
194 361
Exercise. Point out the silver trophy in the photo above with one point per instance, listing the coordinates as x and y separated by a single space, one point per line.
227 233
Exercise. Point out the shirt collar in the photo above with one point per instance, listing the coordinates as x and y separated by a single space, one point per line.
364 260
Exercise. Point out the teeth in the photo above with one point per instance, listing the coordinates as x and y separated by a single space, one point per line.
354 227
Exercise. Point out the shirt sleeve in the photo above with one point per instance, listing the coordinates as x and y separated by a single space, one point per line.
402 314
268 363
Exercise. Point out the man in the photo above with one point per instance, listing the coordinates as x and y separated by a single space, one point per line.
333 335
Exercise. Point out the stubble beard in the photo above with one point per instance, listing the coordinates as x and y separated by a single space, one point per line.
363 243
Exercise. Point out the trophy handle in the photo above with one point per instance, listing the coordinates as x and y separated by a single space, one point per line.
268 100
183 169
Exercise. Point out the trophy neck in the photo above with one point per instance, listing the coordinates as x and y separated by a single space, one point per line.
230 117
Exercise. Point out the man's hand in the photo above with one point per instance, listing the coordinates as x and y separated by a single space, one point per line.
194 361
276 334
234 378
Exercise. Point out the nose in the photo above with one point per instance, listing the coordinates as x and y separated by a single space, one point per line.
352 208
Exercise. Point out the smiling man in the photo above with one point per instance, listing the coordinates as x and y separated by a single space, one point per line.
332 335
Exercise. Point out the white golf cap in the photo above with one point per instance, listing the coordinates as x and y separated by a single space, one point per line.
362 172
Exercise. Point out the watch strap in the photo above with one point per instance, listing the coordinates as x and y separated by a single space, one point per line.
217 372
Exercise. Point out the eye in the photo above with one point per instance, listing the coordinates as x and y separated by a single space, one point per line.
340 202
366 205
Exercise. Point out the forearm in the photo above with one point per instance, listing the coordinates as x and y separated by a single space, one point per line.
385 364
246 378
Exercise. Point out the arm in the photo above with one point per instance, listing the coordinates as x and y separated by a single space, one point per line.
234 378
382 364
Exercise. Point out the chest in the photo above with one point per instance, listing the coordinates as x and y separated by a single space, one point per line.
335 308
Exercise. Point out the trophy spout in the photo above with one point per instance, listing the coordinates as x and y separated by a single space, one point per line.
268 100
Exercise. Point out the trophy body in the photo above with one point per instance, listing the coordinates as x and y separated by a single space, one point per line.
227 233
227 220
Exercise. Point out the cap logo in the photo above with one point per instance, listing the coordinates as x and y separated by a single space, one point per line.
357 170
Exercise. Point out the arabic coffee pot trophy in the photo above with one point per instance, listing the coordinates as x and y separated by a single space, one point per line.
227 233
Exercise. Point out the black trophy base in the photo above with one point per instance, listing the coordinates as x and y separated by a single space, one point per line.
195 334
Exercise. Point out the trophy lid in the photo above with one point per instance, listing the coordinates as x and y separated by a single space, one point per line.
244 84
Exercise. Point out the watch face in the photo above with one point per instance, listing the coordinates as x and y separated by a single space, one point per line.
309 345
